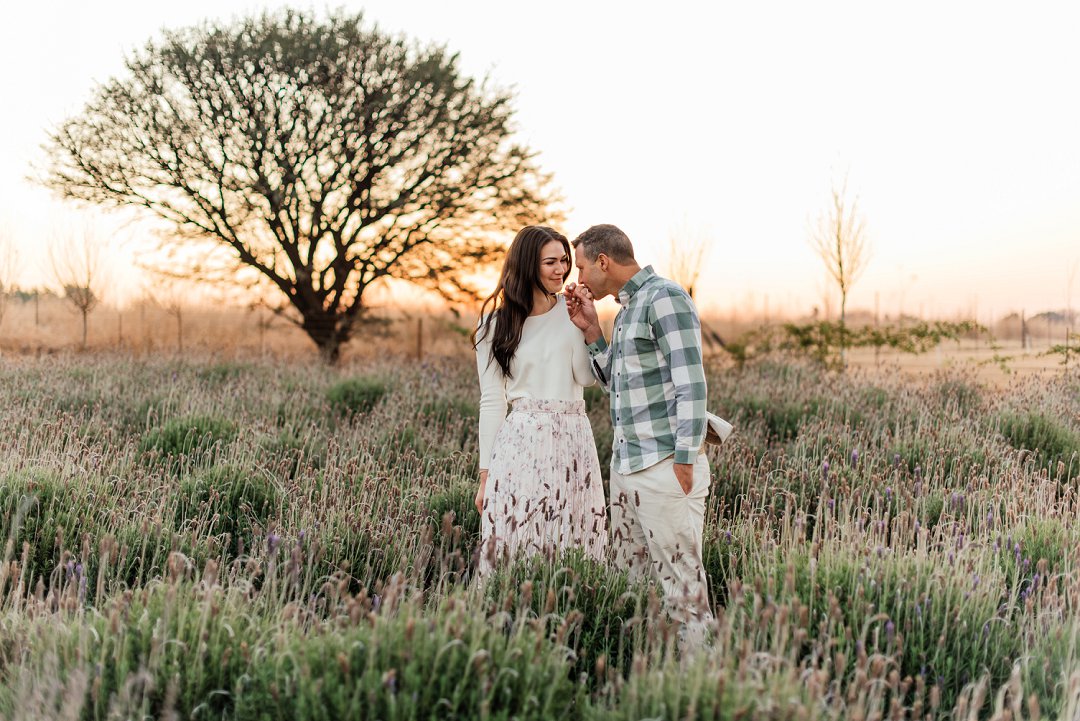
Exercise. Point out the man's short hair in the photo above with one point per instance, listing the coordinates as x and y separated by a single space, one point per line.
606 239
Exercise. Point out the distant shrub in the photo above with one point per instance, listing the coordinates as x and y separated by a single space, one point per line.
450 412
189 436
356 395
960 395
782 418
1050 440
445 410
294 452
232 500
596 396
226 371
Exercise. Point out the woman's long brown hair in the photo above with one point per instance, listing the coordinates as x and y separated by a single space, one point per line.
512 300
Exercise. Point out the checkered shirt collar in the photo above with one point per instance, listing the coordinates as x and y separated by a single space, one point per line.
634 284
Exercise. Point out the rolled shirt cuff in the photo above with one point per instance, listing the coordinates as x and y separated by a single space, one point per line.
686 455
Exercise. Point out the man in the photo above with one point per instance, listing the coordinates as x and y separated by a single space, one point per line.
656 381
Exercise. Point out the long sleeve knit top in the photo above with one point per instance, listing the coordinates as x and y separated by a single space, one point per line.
551 363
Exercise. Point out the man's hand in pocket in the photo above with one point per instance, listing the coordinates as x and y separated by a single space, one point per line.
684 472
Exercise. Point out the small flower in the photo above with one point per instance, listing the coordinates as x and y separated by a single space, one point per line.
890 630
888 492
854 456
825 470
272 542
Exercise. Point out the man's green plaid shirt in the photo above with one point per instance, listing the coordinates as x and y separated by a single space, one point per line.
653 371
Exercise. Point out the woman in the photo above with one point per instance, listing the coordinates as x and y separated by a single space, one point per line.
540 485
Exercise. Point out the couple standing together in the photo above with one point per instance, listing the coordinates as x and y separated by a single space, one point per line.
537 349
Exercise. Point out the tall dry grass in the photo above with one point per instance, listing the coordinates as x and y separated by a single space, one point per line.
266 538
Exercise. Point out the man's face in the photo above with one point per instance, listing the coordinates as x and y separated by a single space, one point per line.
590 274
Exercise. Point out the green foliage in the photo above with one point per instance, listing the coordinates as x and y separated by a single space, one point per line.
1050 440
192 436
448 664
457 501
577 602
224 372
46 514
356 395
822 341
228 500
445 410
596 396
781 418
1069 350
930 548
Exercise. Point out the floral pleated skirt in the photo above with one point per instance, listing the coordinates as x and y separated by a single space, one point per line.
544 491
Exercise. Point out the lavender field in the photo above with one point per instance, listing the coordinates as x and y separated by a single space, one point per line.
262 540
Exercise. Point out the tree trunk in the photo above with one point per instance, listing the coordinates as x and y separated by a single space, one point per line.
84 314
843 331
328 332
330 352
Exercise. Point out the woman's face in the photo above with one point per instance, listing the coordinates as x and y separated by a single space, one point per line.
554 266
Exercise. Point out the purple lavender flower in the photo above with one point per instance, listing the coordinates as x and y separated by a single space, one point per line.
272 542
854 456
888 492
890 630
825 470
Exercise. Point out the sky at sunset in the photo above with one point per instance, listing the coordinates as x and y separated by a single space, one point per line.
957 123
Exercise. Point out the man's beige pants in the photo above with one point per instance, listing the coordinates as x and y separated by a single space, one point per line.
656 529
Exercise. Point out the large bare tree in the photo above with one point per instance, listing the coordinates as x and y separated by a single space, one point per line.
320 154
839 239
